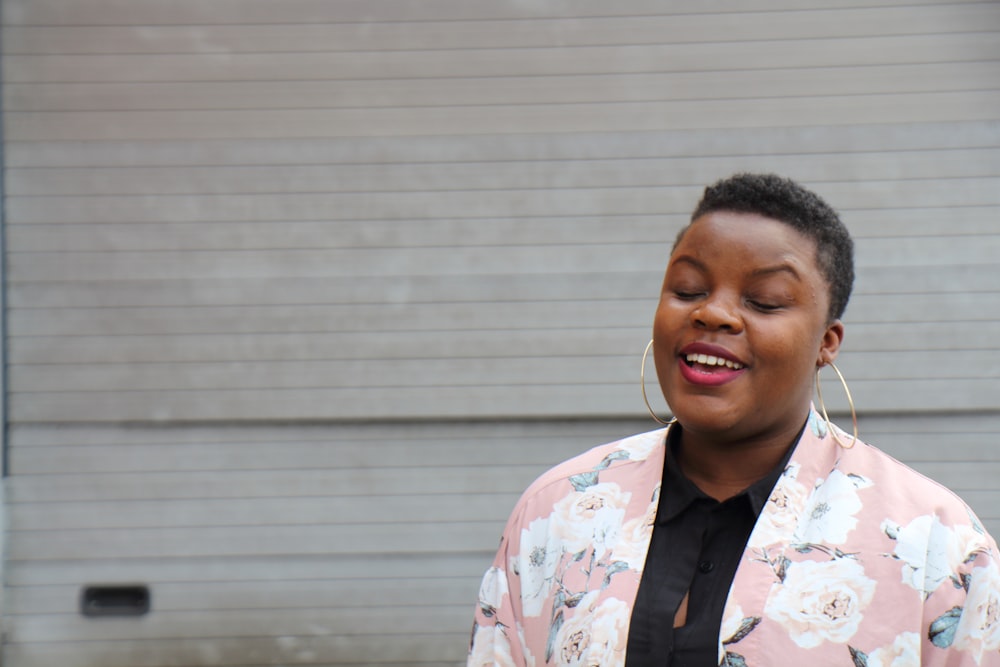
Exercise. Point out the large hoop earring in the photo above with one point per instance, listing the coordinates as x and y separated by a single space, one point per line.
850 402
642 384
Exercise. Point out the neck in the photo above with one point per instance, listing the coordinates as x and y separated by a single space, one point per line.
724 469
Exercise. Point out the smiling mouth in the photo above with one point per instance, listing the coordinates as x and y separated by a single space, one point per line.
712 361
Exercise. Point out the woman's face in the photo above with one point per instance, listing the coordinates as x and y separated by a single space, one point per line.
741 327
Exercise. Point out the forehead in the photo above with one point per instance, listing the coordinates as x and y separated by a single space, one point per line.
748 241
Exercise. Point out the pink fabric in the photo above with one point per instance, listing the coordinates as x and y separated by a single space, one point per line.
855 560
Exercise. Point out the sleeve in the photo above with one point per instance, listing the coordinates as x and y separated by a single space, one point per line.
497 636
963 629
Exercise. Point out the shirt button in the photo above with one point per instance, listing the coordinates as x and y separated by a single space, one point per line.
706 566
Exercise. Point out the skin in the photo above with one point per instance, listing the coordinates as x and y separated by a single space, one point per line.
749 287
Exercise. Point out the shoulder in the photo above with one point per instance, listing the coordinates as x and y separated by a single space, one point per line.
632 464
886 492
882 476
894 479
910 499
626 453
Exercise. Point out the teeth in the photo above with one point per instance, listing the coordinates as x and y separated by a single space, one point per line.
709 360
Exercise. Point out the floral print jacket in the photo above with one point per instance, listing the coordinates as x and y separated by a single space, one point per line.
855 560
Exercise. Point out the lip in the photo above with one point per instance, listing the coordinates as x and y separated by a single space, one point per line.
716 377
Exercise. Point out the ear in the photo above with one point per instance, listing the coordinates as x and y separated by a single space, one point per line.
830 343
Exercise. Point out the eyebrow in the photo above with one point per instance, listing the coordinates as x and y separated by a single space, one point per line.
688 259
763 271
777 268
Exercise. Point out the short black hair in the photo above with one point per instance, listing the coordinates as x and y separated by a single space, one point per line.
785 200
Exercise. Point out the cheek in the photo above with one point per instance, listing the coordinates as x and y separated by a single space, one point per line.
792 346
668 315
665 335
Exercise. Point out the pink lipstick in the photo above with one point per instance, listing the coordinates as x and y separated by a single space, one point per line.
709 365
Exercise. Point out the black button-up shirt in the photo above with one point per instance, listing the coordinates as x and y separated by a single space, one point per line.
695 548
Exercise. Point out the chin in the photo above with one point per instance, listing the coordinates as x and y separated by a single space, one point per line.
708 424
703 417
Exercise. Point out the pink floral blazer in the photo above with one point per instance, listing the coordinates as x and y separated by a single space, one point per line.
855 560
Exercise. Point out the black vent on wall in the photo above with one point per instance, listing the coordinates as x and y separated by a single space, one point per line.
115 600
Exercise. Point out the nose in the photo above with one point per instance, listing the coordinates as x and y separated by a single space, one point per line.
717 312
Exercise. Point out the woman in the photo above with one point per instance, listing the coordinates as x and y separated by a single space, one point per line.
749 531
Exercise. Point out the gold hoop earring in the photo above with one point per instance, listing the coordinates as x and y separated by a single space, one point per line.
850 402
642 384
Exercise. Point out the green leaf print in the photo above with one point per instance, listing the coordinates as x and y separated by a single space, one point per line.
942 630
860 658
733 660
557 623
614 568
584 480
746 627
619 455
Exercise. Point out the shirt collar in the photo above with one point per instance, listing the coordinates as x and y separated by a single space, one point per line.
677 492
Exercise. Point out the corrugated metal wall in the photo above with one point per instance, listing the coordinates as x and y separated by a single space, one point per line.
302 294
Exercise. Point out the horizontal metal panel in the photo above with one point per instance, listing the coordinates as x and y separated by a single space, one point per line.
903 233
447 177
460 318
121 12
359 207
270 596
48 481
527 435
448 649
969 105
541 261
481 27
312 511
712 56
441 235
249 541
658 199
423 458
229 573
505 287
373 373
693 144
405 403
475 92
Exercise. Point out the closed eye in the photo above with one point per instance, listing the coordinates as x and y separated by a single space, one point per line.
764 306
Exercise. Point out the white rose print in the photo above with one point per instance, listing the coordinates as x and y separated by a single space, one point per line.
821 601
640 447
536 564
633 540
491 648
590 517
781 513
595 636
903 652
830 511
930 551
978 629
